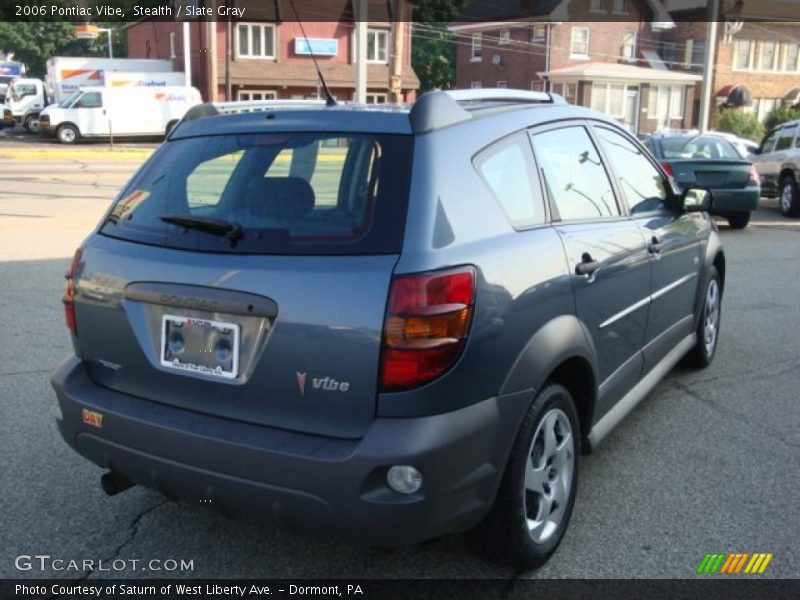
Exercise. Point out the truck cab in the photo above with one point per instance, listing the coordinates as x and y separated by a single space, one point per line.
26 98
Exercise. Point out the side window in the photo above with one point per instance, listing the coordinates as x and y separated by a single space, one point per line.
769 141
785 137
204 186
91 100
574 174
507 168
641 183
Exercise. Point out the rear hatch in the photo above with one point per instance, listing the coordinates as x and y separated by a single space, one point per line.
705 160
714 174
246 276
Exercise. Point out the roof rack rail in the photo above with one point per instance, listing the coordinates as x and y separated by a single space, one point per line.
434 110
230 108
503 95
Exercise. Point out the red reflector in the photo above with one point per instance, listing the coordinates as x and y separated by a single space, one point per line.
426 325
69 292
404 368
668 169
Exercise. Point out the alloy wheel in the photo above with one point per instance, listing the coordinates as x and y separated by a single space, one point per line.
711 317
549 475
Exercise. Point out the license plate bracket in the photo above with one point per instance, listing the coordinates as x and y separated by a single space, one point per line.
202 346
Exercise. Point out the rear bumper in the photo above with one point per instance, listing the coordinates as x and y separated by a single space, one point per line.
735 200
306 482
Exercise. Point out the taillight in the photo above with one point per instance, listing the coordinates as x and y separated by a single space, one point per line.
754 176
69 292
426 325
668 169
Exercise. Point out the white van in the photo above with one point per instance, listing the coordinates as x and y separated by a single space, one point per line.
93 112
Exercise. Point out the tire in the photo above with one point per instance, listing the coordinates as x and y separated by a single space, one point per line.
32 124
703 352
68 134
789 197
533 505
738 220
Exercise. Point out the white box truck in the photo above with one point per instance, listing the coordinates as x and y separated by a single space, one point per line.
26 97
65 74
102 112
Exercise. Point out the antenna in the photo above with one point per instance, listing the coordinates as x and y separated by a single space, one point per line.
329 99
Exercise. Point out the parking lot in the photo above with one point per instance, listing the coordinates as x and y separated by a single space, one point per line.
707 463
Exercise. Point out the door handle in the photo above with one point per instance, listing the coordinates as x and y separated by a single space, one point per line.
655 247
587 266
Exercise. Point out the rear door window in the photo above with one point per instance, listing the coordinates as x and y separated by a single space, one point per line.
507 169
769 141
290 193
574 175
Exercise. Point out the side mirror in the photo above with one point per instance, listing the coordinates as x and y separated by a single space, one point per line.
755 151
696 199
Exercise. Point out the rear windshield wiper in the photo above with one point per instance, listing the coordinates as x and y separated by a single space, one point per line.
220 227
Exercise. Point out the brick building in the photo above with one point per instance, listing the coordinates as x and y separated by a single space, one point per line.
757 55
598 53
268 58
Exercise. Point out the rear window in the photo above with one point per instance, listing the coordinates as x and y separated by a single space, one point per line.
697 147
289 193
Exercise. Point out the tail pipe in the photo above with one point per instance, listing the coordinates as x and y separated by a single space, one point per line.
114 483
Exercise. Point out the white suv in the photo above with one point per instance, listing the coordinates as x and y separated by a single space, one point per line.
778 163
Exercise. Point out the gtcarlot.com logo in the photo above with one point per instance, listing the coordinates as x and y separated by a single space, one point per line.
731 563
45 562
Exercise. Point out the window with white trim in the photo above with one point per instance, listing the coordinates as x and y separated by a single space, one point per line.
743 55
769 56
477 47
665 103
609 98
378 46
476 85
502 84
579 42
597 5
539 34
254 95
791 56
621 7
537 85
629 45
173 44
505 37
377 98
255 40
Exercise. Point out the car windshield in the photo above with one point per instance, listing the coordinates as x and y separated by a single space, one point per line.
69 100
283 193
697 147
20 90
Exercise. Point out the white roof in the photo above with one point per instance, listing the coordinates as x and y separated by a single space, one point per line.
618 72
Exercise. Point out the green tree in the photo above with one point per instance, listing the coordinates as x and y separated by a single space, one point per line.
781 115
434 50
34 42
738 122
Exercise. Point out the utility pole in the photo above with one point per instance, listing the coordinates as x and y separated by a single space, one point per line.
361 52
213 73
708 67
396 75
187 54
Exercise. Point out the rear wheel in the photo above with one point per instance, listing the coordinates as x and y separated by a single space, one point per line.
789 197
738 220
537 493
702 354
68 134
32 123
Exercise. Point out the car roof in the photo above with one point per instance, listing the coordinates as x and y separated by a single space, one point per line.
433 111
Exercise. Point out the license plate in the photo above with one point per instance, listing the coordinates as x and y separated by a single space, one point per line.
200 346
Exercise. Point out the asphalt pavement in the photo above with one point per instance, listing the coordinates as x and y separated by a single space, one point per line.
707 463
